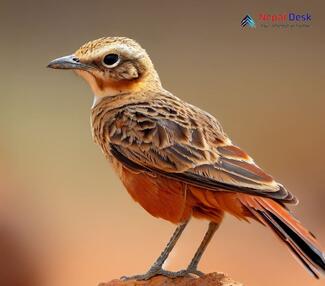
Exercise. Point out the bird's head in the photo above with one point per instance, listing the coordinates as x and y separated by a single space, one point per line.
111 66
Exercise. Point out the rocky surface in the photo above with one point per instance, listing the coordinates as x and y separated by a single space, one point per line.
212 279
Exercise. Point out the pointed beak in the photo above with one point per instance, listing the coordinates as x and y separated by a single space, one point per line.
68 63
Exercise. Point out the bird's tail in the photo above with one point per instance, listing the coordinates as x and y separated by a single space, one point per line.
301 242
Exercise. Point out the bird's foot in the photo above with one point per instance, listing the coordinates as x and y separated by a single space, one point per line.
153 272
159 271
192 269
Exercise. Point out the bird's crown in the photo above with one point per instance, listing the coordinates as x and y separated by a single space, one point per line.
95 47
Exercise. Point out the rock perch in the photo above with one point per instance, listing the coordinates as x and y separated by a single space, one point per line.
211 279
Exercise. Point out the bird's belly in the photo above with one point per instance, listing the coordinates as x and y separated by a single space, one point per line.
160 196
176 201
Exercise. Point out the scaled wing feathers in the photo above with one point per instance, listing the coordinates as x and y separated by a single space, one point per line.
183 142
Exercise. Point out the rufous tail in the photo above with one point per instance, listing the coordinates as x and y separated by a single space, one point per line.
301 242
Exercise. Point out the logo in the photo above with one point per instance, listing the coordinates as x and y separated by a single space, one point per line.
248 21
284 20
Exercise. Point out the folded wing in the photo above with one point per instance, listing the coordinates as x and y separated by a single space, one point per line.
185 143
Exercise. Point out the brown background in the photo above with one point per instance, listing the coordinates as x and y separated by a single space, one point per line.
65 218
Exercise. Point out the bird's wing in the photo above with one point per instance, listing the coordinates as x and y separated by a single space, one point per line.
183 142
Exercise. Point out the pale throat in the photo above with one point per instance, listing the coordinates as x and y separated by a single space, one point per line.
108 89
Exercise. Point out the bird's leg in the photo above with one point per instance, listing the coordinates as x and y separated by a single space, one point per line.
192 267
156 268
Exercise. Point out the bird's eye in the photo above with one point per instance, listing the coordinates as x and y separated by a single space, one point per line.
111 60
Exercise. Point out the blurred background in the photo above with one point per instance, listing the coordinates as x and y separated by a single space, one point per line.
65 218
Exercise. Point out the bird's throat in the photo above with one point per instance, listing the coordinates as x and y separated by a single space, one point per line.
103 88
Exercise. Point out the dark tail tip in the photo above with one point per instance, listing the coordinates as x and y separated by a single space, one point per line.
312 258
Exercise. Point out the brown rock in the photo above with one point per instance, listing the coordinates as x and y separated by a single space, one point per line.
212 279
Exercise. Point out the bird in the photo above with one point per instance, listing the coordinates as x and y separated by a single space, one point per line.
175 159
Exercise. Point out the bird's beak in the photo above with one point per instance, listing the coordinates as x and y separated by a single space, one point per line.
68 63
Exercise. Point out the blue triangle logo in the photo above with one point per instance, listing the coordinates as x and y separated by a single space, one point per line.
248 21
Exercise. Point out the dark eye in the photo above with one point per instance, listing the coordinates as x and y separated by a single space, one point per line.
111 60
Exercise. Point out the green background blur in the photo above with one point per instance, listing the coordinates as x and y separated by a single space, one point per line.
65 218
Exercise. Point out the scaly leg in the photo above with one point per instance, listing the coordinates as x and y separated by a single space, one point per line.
192 267
156 268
